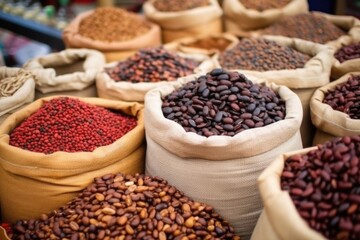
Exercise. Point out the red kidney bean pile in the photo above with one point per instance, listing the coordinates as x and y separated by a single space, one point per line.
117 206
306 26
152 65
7 228
261 55
179 5
223 103
345 97
324 185
70 125
262 5
348 52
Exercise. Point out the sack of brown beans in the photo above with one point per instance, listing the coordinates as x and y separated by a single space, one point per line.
335 108
251 15
17 88
114 31
300 65
149 68
209 45
183 18
312 193
213 134
68 72
346 56
52 149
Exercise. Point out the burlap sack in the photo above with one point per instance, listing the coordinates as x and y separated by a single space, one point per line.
68 72
339 69
113 51
3 234
25 94
280 220
303 81
219 170
200 21
329 122
237 17
127 91
184 44
34 183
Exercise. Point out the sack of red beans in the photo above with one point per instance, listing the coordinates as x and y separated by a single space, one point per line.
52 148
300 65
312 193
335 108
5 229
346 55
252 15
183 18
215 149
68 72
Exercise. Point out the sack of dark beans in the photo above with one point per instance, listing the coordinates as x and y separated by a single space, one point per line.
131 79
335 108
68 72
204 135
114 31
251 15
312 193
119 206
299 65
208 45
52 148
183 18
346 56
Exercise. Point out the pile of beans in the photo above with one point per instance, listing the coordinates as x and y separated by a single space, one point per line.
349 52
152 65
70 125
262 5
222 103
306 26
128 207
261 55
110 24
324 185
210 43
179 5
345 97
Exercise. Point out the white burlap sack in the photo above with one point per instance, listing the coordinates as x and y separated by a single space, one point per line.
237 17
219 170
329 122
70 69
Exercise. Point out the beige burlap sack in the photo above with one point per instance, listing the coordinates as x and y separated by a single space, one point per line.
196 44
3 234
279 219
68 72
329 122
33 183
303 81
25 94
200 21
219 170
237 17
113 51
339 69
128 91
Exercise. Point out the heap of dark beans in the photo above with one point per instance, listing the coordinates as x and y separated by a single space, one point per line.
117 206
262 5
70 125
179 5
324 185
152 65
306 26
210 43
223 103
348 52
261 55
345 97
